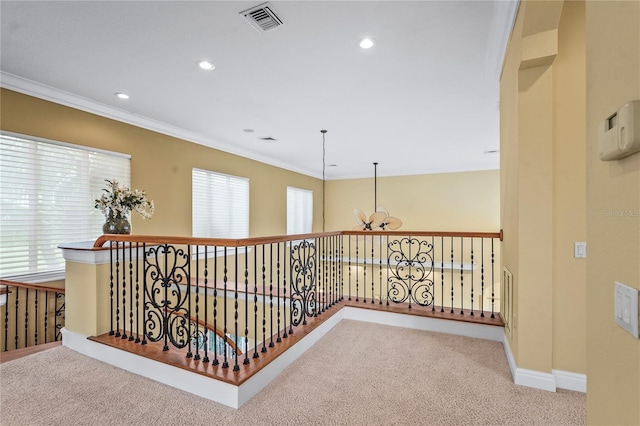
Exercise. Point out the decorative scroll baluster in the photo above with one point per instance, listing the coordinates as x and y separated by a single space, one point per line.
111 331
124 294
284 290
482 277
225 363
59 312
117 293
410 278
26 317
186 316
196 335
137 340
364 269
6 319
246 305
388 257
264 302
380 266
15 335
278 281
235 313
321 272
472 273
271 295
35 305
349 245
442 274
452 274
461 275
205 359
304 260
492 281
131 338
357 271
215 304
145 307
373 288
46 315
255 302
433 305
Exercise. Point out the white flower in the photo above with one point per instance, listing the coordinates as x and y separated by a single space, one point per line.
119 201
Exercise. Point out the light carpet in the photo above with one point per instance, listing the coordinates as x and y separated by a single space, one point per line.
357 374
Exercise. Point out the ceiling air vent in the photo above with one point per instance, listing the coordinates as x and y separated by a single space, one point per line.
262 17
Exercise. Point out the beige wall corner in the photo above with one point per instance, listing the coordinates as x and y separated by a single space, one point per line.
543 185
613 218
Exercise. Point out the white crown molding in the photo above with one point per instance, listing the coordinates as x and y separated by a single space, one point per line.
51 94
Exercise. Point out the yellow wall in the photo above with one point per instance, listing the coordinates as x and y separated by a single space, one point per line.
162 165
543 186
466 201
613 78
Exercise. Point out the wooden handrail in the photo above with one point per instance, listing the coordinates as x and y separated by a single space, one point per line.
248 242
219 333
9 283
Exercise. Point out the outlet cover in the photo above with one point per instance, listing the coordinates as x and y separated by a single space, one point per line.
626 308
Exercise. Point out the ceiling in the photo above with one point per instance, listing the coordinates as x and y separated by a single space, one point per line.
424 99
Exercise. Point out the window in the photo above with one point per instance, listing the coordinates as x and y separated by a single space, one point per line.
220 205
47 193
299 210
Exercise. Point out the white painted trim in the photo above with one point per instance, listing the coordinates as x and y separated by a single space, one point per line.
460 328
48 93
187 381
528 378
570 381
236 396
510 359
535 379
545 381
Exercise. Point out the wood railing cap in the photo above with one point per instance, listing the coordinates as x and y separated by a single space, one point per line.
248 242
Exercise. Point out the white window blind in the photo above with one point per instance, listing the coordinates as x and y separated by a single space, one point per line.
220 205
47 193
299 210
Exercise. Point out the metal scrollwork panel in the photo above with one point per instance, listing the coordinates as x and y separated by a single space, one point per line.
410 279
303 282
166 314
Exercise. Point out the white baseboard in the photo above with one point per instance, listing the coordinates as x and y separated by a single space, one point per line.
205 387
570 381
235 396
545 381
460 328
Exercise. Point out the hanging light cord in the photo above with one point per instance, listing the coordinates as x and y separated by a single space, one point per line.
323 175
375 187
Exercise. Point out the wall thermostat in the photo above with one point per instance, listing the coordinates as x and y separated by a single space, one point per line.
620 133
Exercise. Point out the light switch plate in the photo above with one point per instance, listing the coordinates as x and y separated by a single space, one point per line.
626 308
580 249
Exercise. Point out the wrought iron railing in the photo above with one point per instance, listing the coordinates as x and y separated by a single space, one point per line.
451 272
254 293
30 314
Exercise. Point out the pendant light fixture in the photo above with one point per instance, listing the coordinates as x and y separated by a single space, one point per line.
379 219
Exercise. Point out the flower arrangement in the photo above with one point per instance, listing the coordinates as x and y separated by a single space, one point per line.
118 201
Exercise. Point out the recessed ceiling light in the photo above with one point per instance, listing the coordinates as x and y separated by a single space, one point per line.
206 65
122 95
366 43
492 151
332 165
248 130
269 139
